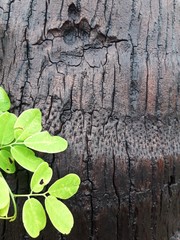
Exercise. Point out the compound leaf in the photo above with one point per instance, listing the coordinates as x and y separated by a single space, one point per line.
25 157
59 214
7 121
7 163
34 217
5 103
41 177
65 187
4 194
44 142
28 123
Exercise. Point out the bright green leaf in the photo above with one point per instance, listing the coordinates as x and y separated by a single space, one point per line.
41 177
59 214
7 162
4 211
4 100
7 121
34 217
28 123
25 157
4 193
44 142
65 187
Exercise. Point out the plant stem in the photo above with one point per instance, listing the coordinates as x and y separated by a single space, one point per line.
14 205
11 144
30 195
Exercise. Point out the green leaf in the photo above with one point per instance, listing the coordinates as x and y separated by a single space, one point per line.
28 123
5 103
41 177
7 162
44 142
7 121
34 217
59 214
25 157
65 187
4 211
4 193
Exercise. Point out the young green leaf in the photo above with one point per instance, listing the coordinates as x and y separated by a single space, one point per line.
44 142
7 121
41 177
4 193
28 123
25 157
59 214
5 103
34 217
65 187
7 162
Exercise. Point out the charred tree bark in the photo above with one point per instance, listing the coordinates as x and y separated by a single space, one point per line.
106 75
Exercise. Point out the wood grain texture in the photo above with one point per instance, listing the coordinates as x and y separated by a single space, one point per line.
106 75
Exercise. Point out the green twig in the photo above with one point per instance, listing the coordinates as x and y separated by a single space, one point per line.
30 195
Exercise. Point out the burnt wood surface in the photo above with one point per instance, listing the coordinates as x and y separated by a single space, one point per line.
106 75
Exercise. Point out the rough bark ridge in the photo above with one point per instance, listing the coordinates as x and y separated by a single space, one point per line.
106 75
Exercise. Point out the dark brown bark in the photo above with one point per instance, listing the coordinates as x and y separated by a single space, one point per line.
106 75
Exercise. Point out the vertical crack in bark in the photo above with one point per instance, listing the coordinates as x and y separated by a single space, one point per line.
147 60
87 165
161 202
159 44
81 91
154 199
108 26
9 15
118 197
130 188
28 67
27 52
177 56
118 59
42 68
61 9
134 88
96 9
113 91
173 27
45 17
133 92
30 13
102 86
91 184
2 75
50 107
166 40
131 185
174 46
